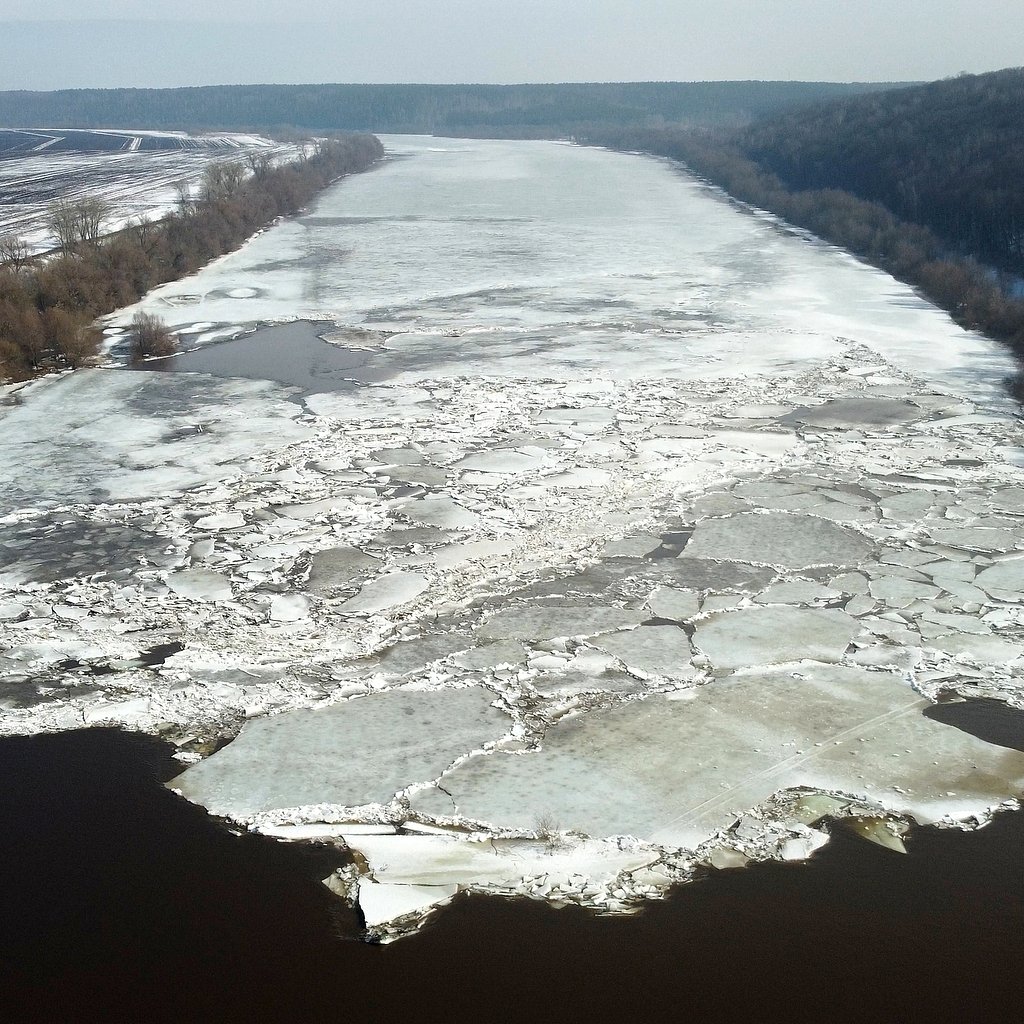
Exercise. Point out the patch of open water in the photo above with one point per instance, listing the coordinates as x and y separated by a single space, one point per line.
124 902
294 354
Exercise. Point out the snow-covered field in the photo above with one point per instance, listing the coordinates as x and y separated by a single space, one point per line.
135 173
641 534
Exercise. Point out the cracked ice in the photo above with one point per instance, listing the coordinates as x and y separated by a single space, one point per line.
591 570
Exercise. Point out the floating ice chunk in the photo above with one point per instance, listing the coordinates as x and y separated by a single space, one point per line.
501 653
632 547
775 635
976 538
761 442
414 655
582 477
11 611
911 504
221 521
309 509
651 650
358 752
669 603
387 591
1003 576
441 511
338 567
200 585
777 538
289 608
675 772
322 830
797 592
435 860
372 403
1009 499
472 551
724 858
800 847
989 650
381 904
880 832
852 413
502 460
901 593
547 621
587 420
757 412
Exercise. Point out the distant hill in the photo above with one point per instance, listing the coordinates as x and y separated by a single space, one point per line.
949 156
441 109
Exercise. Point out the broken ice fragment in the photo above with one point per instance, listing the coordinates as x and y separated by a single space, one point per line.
879 831
773 635
669 603
381 903
846 413
200 584
675 772
289 608
357 752
778 538
387 591
546 621
651 650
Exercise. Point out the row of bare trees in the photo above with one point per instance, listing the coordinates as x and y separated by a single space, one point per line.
48 304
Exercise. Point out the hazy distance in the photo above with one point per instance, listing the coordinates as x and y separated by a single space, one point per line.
105 43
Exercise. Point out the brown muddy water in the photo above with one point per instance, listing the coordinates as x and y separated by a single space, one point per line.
123 902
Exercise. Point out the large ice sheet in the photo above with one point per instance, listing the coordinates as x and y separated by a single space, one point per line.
99 435
359 752
778 538
675 771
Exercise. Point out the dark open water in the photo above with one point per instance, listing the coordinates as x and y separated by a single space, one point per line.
122 902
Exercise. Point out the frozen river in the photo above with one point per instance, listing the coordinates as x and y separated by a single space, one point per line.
586 528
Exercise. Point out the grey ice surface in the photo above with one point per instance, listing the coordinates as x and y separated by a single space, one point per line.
855 412
773 636
652 650
675 771
358 752
545 621
778 538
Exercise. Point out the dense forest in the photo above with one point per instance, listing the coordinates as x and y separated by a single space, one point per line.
48 305
949 156
442 109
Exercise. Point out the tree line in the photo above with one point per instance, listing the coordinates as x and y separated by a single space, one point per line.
48 304
441 109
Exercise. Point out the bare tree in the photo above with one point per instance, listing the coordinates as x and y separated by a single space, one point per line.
14 252
222 180
63 222
77 221
151 338
259 164
183 193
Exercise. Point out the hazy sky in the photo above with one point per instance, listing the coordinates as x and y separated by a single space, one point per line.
50 44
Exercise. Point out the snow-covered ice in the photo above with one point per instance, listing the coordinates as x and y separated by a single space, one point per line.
646 543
